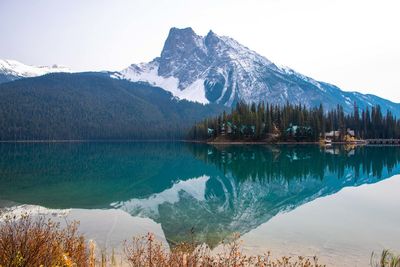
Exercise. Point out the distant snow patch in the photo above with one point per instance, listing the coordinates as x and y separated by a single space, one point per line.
13 67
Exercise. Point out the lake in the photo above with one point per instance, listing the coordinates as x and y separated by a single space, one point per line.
339 203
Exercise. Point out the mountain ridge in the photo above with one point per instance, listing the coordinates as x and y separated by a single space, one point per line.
11 70
218 69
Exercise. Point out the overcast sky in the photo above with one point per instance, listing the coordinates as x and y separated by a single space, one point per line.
352 44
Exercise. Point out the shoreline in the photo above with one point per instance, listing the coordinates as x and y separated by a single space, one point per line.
75 141
259 143
92 141
286 143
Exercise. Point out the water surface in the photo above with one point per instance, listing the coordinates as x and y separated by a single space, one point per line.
339 203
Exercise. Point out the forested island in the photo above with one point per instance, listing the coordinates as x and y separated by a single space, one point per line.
266 122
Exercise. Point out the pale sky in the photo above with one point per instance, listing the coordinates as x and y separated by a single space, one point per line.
352 44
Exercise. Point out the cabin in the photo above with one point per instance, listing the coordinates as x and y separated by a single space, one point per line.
247 130
332 135
351 132
227 128
336 135
298 132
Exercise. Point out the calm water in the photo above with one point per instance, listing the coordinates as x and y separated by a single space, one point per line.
338 203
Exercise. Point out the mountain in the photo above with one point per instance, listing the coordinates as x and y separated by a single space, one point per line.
11 70
93 106
218 69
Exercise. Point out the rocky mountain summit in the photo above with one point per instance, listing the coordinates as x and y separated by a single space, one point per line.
218 69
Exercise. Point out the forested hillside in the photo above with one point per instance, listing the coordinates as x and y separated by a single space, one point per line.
4 78
93 106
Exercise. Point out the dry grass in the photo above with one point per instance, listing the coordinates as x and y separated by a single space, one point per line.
39 242
385 259
145 251
25 241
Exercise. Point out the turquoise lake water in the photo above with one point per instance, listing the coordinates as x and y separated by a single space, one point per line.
340 203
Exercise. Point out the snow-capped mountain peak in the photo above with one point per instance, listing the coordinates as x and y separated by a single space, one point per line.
199 68
12 70
218 69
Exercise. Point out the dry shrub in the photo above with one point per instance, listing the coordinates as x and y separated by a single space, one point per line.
145 251
385 259
25 241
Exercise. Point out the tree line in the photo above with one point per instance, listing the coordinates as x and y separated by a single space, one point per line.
265 121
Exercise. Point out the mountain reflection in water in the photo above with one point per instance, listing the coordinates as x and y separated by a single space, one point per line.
215 190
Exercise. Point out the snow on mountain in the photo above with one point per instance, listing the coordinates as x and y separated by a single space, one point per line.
148 73
218 69
11 70
194 187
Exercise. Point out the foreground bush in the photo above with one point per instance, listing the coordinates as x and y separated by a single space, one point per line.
385 259
145 251
39 242
25 241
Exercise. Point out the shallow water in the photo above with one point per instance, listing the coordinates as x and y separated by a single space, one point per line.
338 203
